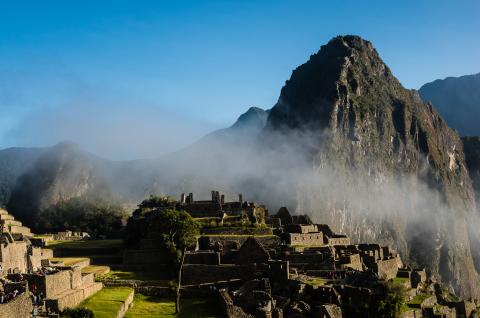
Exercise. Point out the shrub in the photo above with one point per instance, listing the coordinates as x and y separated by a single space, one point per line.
80 312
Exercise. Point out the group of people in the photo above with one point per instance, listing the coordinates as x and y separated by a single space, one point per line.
43 271
6 296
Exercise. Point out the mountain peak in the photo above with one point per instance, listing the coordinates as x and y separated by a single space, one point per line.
254 117
347 66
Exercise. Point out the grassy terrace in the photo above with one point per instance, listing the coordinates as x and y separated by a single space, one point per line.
239 235
157 307
316 281
140 275
400 280
88 244
107 302
96 269
69 261
417 300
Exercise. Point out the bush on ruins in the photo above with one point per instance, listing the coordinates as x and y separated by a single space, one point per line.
98 218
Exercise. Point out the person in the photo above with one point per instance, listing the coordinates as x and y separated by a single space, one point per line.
33 289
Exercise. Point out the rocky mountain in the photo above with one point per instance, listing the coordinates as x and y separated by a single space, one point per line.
385 165
458 101
59 173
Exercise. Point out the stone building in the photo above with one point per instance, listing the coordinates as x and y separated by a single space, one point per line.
17 254
303 235
217 207
244 264
331 238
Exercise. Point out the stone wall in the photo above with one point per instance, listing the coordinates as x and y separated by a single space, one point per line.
201 274
228 308
338 240
57 283
417 277
305 239
206 241
13 255
20 307
237 231
351 261
386 269
72 297
328 311
306 258
301 228
203 257
142 257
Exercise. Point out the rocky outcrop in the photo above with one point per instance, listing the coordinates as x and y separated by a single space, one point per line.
395 171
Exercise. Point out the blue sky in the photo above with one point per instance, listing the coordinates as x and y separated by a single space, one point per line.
128 79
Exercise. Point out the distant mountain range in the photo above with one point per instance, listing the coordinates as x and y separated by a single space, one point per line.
345 143
457 100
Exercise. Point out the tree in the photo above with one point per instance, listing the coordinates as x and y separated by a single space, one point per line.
175 230
97 217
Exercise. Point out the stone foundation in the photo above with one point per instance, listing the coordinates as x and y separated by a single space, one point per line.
73 297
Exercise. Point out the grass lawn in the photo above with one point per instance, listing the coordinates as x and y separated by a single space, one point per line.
238 235
126 275
418 300
316 281
157 307
97 270
69 261
401 280
107 302
42 235
86 244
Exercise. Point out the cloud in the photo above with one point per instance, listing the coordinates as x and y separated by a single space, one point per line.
46 108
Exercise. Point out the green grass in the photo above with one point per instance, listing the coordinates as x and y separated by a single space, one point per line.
315 281
107 302
157 307
86 244
238 235
418 300
97 270
401 280
143 275
42 236
68 261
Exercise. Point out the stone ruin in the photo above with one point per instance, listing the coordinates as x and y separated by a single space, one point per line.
217 207
27 270
9 224
17 254
309 271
